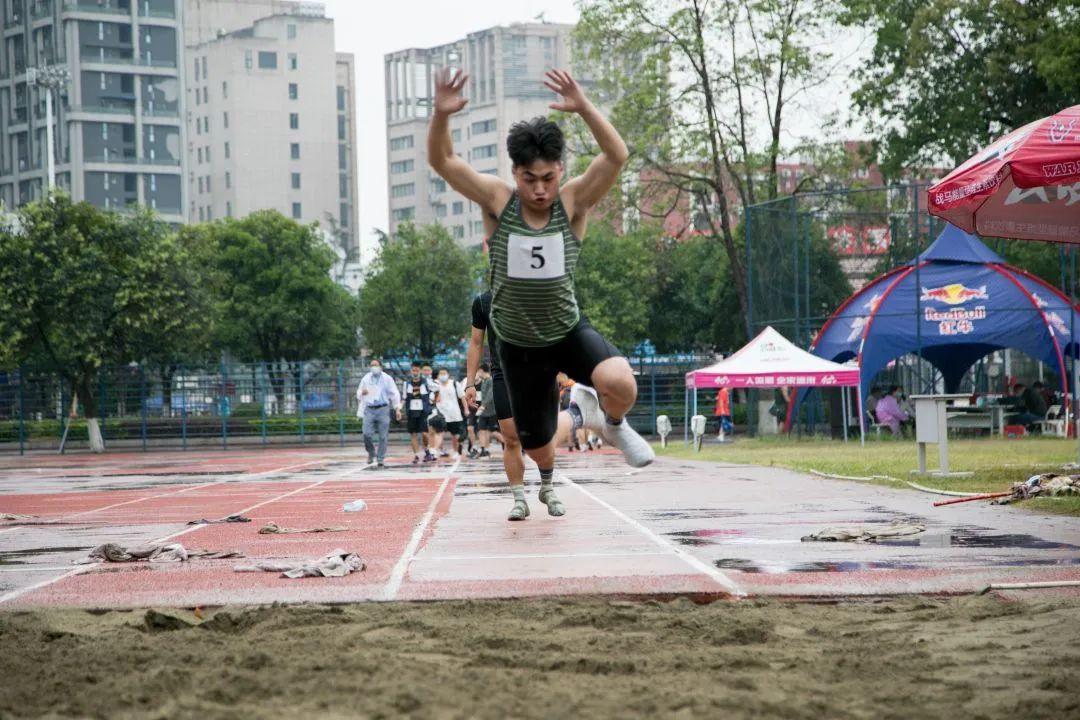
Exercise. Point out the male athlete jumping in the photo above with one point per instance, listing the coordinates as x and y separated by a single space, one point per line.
534 230
583 401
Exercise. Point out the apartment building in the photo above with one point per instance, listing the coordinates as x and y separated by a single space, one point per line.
271 116
118 118
506 66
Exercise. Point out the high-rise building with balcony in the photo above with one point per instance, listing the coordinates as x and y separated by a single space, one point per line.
506 68
119 130
270 115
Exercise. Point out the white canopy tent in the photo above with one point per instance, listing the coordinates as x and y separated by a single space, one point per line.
770 361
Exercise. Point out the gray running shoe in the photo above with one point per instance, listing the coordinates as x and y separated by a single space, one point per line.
520 511
554 504
637 452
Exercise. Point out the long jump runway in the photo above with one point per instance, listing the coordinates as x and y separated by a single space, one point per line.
439 531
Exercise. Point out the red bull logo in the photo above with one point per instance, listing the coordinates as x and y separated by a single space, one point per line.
955 294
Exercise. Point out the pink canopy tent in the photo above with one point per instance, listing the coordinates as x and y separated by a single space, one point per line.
770 361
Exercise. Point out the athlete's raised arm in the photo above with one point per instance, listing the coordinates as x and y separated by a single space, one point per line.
487 191
587 189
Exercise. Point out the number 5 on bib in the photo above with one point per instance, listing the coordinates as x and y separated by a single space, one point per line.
536 257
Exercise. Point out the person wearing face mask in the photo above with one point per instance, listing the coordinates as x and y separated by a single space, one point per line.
449 406
416 390
375 396
433 433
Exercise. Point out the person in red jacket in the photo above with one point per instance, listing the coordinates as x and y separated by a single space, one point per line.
722 413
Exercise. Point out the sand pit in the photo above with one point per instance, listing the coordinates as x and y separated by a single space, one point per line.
911 657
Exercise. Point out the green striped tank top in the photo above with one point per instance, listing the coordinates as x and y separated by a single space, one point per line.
533 303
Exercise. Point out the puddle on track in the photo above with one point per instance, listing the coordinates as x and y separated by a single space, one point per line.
20 557
841 566
692 514
977 537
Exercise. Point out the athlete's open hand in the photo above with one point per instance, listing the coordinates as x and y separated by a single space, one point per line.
560 81
448 95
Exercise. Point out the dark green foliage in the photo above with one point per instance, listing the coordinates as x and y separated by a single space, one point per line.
616 283
272 293
947 77
81 288
417 294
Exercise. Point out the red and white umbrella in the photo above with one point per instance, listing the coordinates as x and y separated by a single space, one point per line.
1026 185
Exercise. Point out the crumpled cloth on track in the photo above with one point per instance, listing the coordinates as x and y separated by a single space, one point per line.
272 528
165 553
1048 485
864 533
16 516
336 563
230 519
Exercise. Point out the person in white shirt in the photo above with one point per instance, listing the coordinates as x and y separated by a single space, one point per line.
449 408
375 396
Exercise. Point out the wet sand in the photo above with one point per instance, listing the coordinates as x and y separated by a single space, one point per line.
974 657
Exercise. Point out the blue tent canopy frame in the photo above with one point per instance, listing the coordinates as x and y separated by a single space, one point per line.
954 304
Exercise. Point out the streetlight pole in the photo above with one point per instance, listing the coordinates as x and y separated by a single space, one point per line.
50 78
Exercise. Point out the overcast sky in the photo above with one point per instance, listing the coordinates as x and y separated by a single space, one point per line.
369 30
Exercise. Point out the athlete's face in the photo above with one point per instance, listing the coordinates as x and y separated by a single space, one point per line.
538 183
415 372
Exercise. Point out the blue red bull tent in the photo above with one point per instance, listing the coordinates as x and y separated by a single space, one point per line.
953 305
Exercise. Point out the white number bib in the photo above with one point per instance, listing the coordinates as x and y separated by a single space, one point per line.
416 404
535 258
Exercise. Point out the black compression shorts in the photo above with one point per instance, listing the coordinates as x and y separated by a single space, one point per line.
502 396
531 384
416 423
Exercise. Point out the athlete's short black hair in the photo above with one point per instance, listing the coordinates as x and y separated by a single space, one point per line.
485 367
416 364
536 139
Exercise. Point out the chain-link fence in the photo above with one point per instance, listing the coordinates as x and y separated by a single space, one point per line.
227 404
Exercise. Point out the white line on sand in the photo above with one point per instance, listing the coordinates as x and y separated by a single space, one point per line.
398 573
702 567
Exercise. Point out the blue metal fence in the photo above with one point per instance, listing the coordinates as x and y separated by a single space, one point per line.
229 404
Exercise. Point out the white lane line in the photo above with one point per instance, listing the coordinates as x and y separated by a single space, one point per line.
35 568
232 478
397 576
85 568
556 556
18 592
702 567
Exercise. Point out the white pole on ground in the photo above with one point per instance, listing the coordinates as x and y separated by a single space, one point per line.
844 409
862 424
686 416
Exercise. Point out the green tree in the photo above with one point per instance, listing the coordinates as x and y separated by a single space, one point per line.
416 295
694 307
81 288
702 92
616 280
947 77
273 297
